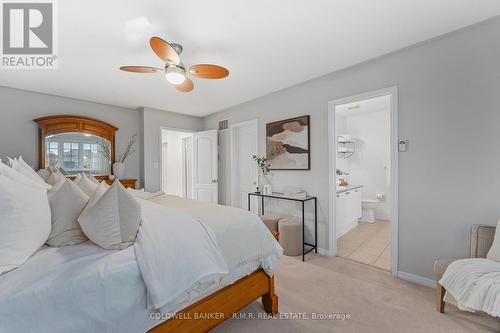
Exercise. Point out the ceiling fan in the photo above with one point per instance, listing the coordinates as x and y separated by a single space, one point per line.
175 71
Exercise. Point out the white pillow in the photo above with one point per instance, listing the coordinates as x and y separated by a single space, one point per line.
11 161
113 220
494 252
22 167
20 178
24 221
86 185
142 193
93 179
99 192
55 177
66 204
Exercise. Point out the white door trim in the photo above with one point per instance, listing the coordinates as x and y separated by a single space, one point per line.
186 174
234 149
393 91
164 146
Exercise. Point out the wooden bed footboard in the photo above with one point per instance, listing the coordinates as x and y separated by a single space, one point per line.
221 305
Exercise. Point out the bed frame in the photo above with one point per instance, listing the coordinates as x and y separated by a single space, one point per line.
212 310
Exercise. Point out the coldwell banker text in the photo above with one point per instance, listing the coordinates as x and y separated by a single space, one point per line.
28 35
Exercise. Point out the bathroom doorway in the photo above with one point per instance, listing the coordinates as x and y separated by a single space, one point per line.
177 162
363 144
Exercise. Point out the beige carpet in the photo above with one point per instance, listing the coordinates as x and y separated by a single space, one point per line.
375 301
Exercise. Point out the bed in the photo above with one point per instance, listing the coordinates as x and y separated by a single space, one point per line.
85 288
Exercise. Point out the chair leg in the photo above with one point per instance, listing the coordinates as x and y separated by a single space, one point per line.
439 298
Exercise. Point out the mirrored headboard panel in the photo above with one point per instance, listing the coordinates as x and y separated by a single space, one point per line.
76 144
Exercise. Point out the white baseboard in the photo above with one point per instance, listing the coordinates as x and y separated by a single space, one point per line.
422 281
323 252
344 229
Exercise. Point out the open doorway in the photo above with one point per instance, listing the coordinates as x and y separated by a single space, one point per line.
363 166
177 162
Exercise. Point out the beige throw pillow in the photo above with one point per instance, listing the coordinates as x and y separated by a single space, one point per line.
113 220
66 205
86 185
55 177
494 252
98 193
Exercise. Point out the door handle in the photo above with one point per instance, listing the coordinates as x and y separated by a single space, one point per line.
215 181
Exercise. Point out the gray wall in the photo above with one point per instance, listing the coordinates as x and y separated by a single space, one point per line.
449 109
19 134
152 120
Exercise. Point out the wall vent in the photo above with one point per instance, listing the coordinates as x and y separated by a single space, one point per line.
223 125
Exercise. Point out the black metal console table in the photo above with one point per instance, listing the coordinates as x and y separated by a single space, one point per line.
303 201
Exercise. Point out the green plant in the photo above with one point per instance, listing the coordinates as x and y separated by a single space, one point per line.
262 163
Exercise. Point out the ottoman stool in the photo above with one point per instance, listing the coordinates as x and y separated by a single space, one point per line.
290 230
271 222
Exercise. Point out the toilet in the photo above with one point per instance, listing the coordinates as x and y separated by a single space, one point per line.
368 210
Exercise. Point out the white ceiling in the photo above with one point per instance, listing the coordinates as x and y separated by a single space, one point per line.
266 45
377 104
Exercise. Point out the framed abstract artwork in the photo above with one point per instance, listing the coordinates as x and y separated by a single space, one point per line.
287 144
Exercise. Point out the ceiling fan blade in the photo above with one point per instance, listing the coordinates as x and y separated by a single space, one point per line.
164 50
185 86
207 71
141 69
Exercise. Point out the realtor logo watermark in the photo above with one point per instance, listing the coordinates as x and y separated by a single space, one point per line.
29 34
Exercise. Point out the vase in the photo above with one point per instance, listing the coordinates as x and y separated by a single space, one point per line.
265 185
118 170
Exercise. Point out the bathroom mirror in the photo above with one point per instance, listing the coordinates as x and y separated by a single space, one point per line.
76 144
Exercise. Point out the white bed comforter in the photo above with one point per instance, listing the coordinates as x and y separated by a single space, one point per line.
81 288
241 235
178 258
473 285
176 254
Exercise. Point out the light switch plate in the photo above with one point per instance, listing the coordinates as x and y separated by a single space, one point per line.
155 165
403 145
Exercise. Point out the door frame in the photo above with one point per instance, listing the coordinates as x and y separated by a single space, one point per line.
332 241
160 147
185 170
234 149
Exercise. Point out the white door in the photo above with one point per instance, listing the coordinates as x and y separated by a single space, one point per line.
244 172
205 173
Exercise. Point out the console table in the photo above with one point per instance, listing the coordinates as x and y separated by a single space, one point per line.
280 196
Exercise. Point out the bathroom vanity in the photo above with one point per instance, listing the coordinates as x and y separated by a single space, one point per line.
347 208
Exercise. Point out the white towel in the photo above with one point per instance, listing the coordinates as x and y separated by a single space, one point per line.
473 285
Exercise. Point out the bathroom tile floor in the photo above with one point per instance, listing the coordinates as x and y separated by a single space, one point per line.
368 243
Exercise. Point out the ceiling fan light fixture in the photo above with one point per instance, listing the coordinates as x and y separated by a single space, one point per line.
175 74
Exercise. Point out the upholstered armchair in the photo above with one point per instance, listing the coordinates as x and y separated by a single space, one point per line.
481 238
